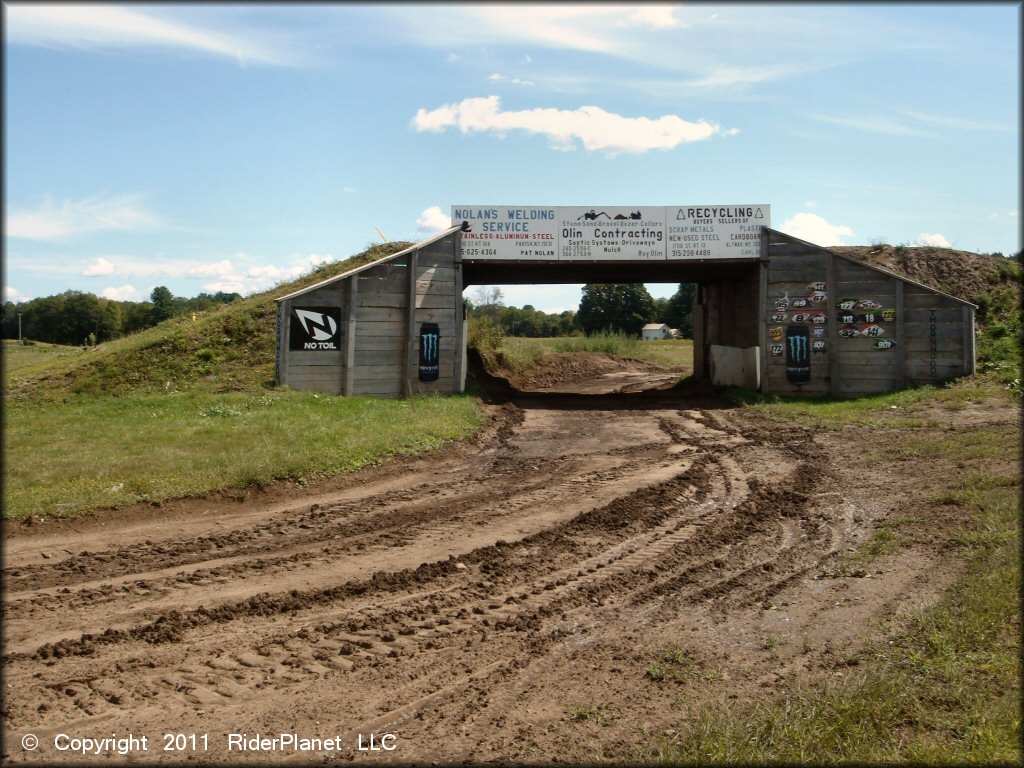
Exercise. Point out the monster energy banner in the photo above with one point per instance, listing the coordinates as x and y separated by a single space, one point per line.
798 354
430 347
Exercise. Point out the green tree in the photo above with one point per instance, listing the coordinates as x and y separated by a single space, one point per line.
111 321
679 310
625 307
136 316
163 304
11 311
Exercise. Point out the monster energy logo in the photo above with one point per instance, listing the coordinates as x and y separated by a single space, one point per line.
430 350
797 348
798 354
430 345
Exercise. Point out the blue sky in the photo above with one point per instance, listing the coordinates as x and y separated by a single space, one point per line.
207 147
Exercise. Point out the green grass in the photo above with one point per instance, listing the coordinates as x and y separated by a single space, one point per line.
888 410
946 689
520 354
64 458
602 714
20 359
230 348
189 407
670 663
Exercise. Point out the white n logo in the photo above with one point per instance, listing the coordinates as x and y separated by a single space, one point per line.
315 324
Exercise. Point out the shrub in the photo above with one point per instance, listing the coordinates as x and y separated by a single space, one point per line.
485 335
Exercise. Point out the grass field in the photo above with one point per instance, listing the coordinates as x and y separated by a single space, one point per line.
519 354
946 689
19 359
87 453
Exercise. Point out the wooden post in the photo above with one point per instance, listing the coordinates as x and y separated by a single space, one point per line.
281 362
460 324
699 329
832 323
410 328
901 347
969 351
762 314
348 382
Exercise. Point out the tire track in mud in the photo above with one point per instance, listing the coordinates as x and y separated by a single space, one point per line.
150 591
714 529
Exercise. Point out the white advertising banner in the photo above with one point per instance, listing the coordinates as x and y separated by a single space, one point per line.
611 233
715 231
507 232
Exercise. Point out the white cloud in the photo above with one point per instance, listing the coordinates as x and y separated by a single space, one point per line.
497 78
314 260
214 269
959 123
686 42
228 286
303 265
814 229
87 27
126 292
13 294
268 271
727 77
433 220
75 217
936 240
654 16
100 268
596 129
557 25
875 124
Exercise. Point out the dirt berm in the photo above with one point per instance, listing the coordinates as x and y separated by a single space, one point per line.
509 598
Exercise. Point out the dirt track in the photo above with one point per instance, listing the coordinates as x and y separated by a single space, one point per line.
512 599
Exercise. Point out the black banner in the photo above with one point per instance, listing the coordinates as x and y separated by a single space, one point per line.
430 351
798 354
315 329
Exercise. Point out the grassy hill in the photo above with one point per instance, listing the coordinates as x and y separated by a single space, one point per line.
185 409
231 348
226 349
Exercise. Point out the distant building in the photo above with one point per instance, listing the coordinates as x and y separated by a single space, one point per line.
655 331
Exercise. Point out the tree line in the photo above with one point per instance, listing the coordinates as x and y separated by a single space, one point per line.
624 308
76 317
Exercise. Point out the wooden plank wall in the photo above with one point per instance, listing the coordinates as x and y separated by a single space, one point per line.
375 353
724 316
790 271
438 301
863 368
381 342
319 371
933 333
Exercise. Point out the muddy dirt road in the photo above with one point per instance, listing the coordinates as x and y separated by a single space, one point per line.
558 588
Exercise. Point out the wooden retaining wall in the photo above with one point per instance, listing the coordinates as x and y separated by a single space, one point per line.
869 331
382 307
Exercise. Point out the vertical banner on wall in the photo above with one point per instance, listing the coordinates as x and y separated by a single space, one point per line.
430 351
798 354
